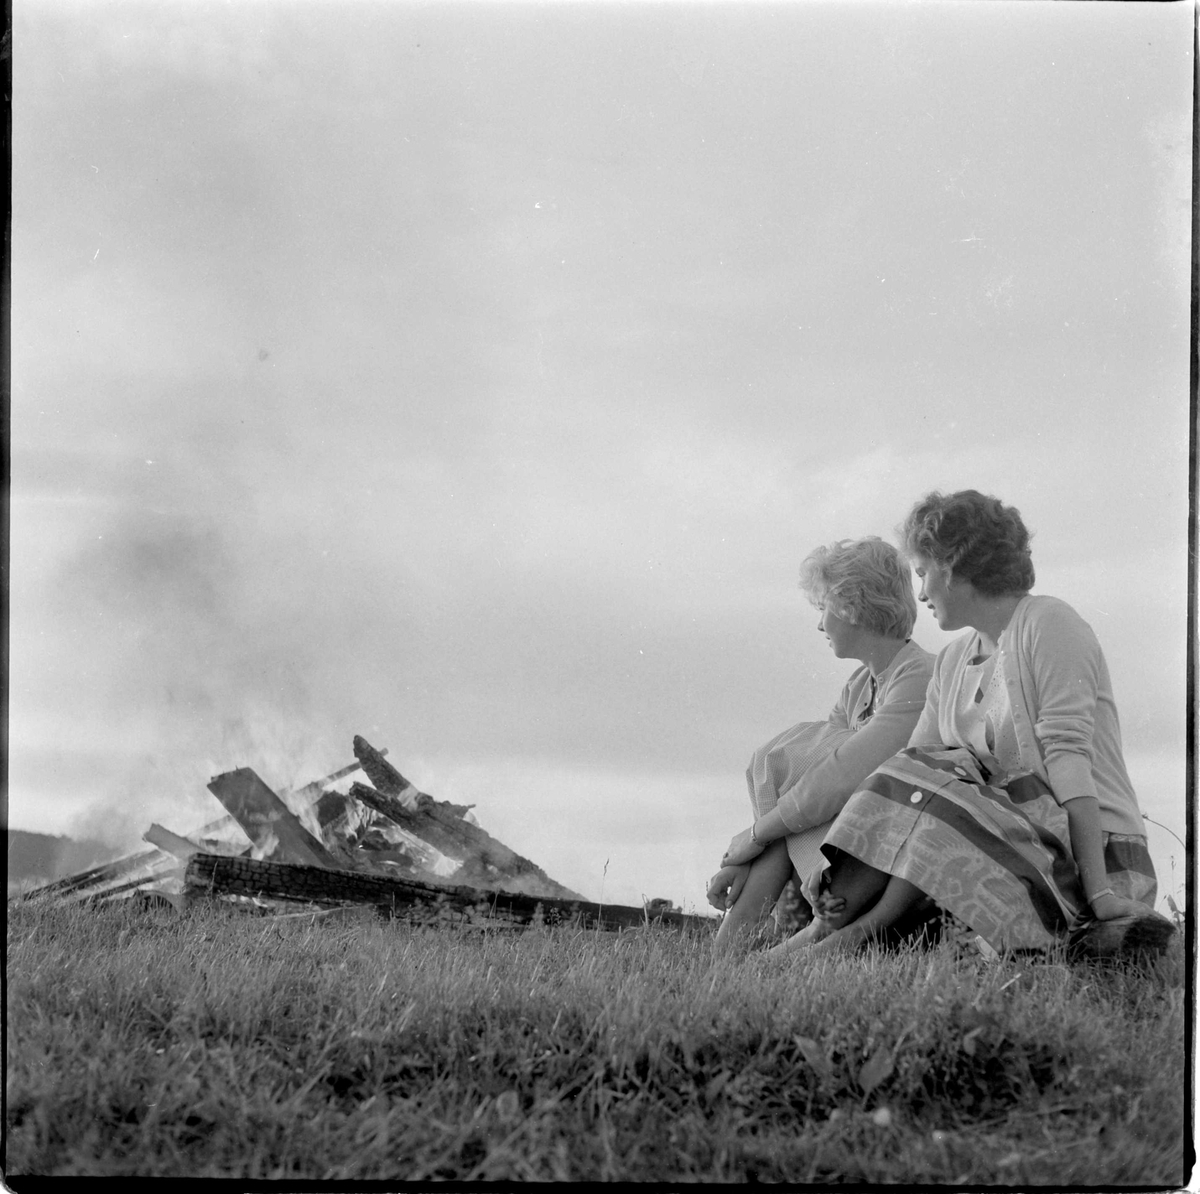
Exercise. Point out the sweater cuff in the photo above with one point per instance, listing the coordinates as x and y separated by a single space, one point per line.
790 815
1070 776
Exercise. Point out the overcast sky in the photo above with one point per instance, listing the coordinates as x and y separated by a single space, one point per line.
475 377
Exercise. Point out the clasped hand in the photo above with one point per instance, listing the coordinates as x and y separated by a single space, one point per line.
743 848
726 885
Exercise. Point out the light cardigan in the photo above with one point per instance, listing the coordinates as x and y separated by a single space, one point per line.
1064 716
821 791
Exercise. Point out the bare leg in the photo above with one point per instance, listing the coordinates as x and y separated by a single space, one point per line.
768 874
792 910
852 881
899 898
856 885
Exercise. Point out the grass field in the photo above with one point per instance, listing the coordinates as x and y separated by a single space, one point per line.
218 1044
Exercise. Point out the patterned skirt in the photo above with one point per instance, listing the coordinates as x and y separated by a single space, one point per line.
997 857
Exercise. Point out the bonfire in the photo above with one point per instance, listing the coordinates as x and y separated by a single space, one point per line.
382 845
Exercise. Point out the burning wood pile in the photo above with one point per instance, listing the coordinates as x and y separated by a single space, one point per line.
382 845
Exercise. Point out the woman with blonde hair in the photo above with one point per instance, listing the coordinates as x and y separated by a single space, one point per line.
1011 806
801 778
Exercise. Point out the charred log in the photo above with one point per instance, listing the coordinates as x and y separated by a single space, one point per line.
331 808
410 819
410 900
383 775
387 780
485 861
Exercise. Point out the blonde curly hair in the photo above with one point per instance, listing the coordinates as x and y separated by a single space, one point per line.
866 581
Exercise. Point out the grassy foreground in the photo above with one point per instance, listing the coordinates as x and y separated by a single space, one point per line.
217 1044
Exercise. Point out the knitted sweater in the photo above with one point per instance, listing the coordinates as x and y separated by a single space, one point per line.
1064 717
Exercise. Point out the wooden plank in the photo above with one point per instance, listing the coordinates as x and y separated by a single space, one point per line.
269 823
170 842
92 876
101 895
95 879
410 900
182 847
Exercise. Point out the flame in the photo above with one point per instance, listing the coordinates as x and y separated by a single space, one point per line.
265 847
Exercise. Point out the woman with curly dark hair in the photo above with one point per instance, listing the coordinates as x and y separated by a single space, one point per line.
1011 806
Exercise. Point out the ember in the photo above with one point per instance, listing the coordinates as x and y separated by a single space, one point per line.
384 845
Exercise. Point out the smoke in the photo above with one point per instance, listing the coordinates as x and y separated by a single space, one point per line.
172 662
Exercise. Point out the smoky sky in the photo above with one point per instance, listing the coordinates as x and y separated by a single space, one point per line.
474 377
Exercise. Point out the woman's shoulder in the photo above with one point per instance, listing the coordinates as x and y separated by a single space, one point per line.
912 657
1039 606
1037 615
912 665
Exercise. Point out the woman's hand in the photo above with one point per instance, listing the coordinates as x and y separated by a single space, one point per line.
829 908
726 885
743 848
1109 907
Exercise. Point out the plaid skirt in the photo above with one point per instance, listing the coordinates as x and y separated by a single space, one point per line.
996 857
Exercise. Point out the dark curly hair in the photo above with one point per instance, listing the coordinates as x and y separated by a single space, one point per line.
977 537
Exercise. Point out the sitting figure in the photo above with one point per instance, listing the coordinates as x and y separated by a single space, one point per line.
800 779
1011 807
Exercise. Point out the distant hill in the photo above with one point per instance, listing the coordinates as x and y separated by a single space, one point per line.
42 856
